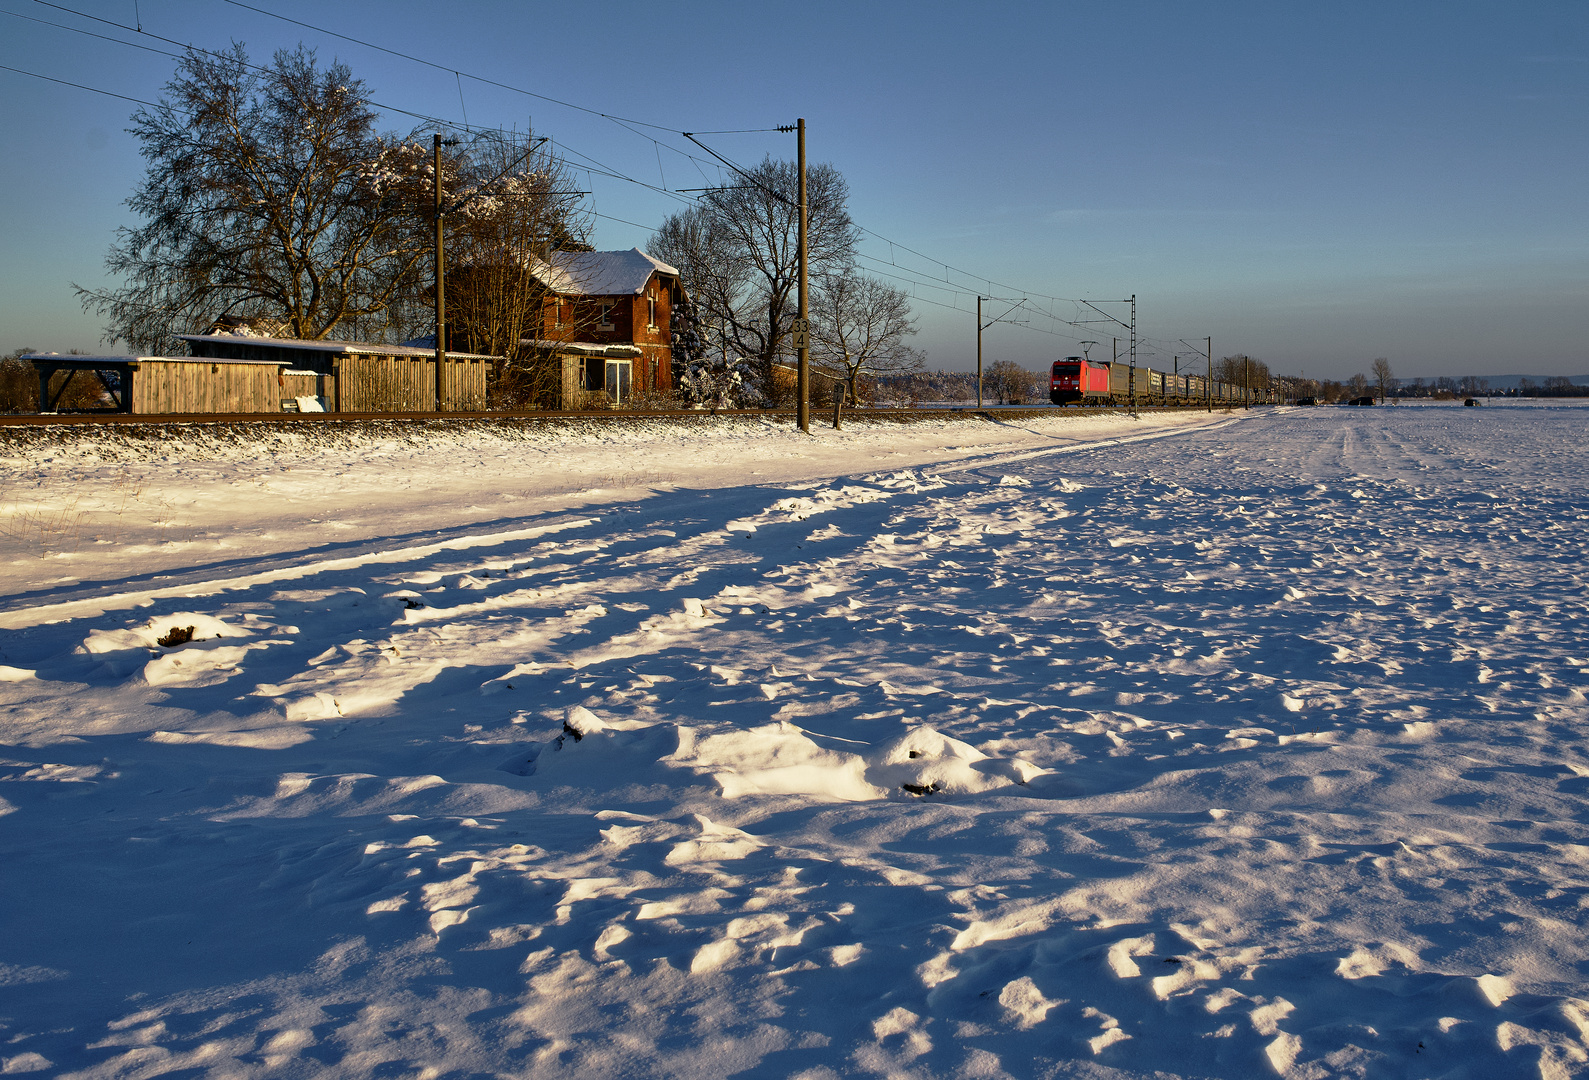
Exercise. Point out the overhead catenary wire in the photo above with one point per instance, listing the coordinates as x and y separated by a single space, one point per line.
628 123
446 67
601 168
79 86
163 52
604 169
423 117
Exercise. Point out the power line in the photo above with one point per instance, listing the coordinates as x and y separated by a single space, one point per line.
424 117
444 67
601 168
185 45
80 86
458 73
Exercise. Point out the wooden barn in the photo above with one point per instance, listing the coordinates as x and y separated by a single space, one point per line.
235 374
159 384
360 376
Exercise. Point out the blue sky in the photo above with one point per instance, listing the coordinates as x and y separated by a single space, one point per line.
1314 184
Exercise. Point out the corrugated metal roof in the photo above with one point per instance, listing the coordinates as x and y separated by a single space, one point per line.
71 358
344 348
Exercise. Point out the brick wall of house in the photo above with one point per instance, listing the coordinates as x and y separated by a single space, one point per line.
630 318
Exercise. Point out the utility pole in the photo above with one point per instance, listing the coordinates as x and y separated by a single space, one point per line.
1177 375
1133 352
1208 387
979 352
803 326
981 326
441 287
1246 381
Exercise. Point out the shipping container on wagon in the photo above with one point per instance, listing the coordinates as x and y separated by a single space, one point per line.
1128 383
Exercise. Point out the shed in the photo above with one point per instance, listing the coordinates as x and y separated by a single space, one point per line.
145 385
360 376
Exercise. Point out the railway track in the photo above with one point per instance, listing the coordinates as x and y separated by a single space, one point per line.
291 420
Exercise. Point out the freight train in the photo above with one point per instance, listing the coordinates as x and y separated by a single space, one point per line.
1076 380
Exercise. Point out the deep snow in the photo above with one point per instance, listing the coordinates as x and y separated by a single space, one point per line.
1229 745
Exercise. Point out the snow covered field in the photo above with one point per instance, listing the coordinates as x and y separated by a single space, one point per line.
1230 745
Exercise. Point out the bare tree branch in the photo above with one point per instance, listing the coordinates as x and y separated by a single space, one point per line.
259 200
737 255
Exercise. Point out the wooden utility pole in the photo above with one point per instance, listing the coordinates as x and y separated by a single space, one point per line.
1208 387
441 287
803 327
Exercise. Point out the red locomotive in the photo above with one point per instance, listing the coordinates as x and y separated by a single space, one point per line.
1076 378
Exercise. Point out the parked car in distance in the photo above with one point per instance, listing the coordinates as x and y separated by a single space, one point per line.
1307 401
1361 401
1471 402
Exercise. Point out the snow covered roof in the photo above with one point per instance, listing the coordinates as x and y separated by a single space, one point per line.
76 358
599 273
585 348
345 348
119 359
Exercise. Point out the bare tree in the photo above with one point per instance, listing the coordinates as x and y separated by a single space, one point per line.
1383 379
510 207
736 252
1009 383
1358 385
19 383
258 200
1242 370
858 329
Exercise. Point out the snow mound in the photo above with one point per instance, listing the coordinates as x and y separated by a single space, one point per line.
772 759
780 759
926 762
153 633
183 648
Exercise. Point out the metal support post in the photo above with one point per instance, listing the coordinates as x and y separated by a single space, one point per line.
979 352
1133 351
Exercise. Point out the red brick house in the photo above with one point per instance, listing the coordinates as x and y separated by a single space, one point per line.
609 317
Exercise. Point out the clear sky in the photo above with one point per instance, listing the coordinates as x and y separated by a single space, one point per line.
1314 184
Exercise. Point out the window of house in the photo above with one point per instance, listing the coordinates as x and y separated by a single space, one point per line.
605 322
557 306
651 316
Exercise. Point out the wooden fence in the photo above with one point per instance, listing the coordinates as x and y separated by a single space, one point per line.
368 383
204 386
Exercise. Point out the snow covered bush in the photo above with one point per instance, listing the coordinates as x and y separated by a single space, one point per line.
720 383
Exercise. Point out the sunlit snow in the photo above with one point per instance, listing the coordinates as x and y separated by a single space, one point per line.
1222 745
